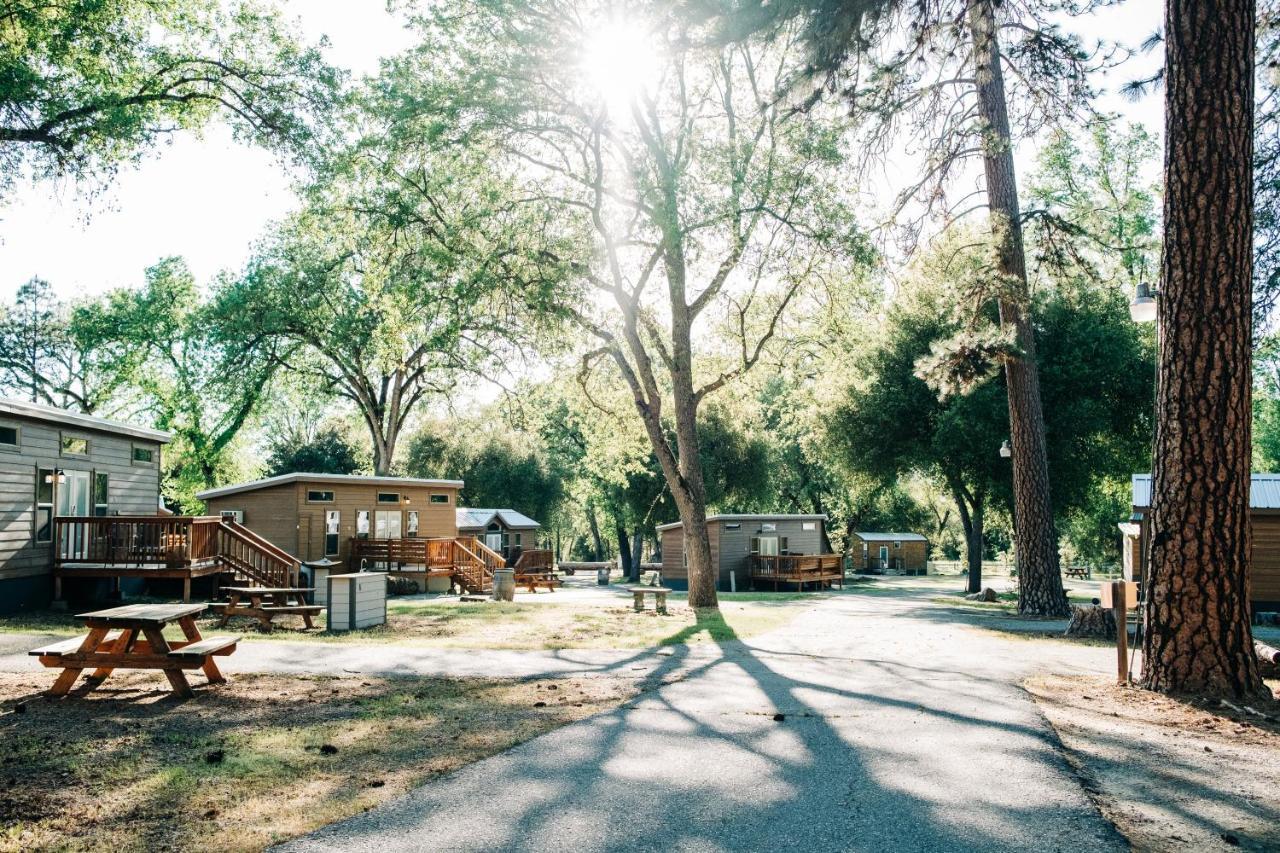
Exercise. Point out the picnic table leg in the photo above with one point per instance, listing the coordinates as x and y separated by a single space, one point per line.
639 601
121 645
661 603
62 685
177 678
226 611
192 633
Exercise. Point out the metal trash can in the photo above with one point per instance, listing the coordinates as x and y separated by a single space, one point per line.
315 574
602 577
504 585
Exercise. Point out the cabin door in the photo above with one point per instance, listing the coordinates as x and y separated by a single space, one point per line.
493 541
884 557
73 499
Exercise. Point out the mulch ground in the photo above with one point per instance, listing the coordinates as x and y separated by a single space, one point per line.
1171 774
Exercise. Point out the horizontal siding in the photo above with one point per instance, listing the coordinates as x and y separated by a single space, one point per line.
1265 572
133 489
673 555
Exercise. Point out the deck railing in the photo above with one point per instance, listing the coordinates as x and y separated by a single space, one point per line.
797 568
254 557
135 540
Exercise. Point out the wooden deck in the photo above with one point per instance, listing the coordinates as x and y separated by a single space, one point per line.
821 570
157 546
464 559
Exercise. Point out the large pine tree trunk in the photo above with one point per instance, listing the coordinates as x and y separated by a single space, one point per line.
1198 638
1040 589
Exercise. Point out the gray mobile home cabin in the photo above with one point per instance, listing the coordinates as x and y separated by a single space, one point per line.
760 550
59 463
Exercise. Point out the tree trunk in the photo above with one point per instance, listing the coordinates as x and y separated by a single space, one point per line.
972 519
624 549
637 551
1040 589
1198 638
597 544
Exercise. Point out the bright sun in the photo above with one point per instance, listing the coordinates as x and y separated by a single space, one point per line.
619 62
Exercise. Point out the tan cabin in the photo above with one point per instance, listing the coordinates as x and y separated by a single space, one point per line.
322 515
904 553
404 526
1264 512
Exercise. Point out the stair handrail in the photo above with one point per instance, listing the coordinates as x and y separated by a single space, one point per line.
246 536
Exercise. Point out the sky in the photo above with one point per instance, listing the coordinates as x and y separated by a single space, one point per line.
208 198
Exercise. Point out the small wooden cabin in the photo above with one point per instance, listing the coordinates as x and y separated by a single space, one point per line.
56 462
1264 512
747 547
907 553
318 515
504 530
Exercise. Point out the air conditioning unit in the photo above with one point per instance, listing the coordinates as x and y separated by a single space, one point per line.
236 515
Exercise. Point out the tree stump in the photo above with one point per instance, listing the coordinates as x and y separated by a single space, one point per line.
1092 622
987 594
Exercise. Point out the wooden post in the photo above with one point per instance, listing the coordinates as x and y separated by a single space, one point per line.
1122 631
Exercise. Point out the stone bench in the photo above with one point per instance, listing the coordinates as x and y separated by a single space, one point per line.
659 594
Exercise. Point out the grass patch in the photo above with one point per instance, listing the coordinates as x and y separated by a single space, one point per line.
507 625
253 762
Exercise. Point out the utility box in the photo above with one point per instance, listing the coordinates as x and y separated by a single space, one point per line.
357 600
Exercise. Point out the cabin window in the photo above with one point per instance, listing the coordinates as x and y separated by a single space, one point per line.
332 522
439 498
765 546
10 438
101 493
809 525
44 505
768 527
236 515
362 524
897 544
517 540
388 497
733 527
74 445
143 455
411 528
318 496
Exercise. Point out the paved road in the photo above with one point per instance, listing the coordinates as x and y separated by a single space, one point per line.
902 730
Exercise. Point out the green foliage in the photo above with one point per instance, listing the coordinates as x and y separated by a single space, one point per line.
89 84
498 470
198 378
62 355
327 453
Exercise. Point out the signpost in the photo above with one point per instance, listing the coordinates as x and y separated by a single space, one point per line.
1121 597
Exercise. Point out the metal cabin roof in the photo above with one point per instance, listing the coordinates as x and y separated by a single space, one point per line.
732 517
63 417
471 518
254 485
1264 491
867 536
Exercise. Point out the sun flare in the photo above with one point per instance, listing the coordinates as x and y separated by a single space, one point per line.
620 61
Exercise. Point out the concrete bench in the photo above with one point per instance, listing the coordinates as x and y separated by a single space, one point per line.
659 594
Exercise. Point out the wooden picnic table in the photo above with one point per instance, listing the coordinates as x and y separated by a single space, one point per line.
533 580
131 637
267 602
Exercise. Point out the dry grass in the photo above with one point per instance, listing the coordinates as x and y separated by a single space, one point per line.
1170 774
500 625
252 762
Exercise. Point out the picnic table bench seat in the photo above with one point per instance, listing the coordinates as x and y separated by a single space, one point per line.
201 648
659 594
66 647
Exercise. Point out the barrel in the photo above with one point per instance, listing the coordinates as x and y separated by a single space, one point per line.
602 577
504 584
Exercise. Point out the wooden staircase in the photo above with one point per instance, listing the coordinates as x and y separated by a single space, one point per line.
253 559
473 564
